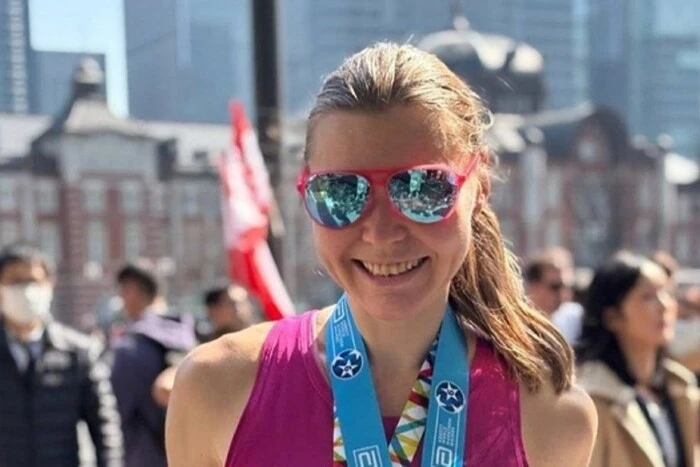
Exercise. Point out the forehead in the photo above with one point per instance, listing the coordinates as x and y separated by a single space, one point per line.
652 276
551 271
399 136
23 271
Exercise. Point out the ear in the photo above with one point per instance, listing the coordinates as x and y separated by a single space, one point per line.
483 191
612 319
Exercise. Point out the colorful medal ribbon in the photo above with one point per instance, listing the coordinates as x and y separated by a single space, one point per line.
442 407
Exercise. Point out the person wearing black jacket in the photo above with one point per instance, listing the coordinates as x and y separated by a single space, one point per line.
152 342
51 376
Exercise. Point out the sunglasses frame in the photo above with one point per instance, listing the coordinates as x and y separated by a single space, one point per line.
383 177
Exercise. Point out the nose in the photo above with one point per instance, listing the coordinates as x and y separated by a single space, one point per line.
382 225
666 301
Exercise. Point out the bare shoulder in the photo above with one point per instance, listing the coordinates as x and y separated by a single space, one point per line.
211 390
558 429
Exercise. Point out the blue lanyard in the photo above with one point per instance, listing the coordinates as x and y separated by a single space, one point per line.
356 398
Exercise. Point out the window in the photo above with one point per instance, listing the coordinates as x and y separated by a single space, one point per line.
212 201
643 233
94 196
8 194
96 242
9 233
553 181
192 245
190 204
509 231
157 199
131 197
50 241
46 197
553 233
645 190
501 198
684 208
132 240
683 246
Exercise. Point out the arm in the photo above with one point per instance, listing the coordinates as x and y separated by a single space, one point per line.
212 387
99 411
163 386
599 450
558 429
124 381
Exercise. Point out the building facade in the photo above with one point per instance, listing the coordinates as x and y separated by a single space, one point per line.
316 35
15 57
645 64
573 177
52 72
186 59
95 191
558 29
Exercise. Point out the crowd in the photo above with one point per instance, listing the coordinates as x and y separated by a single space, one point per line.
635 333
52 377
530 367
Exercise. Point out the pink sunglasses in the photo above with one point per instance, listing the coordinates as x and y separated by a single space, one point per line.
426 194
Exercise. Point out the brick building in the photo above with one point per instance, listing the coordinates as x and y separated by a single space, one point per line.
572 177
95 190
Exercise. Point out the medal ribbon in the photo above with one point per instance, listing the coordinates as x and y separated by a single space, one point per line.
439 411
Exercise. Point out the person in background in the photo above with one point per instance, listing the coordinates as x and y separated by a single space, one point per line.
151 343
51 376
647 404
228 310
544 283
549 282
670 266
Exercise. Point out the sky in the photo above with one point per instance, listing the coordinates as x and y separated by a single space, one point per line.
95 26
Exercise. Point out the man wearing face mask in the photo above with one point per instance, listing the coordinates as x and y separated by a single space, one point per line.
51 377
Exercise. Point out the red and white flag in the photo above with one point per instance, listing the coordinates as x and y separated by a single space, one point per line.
246 202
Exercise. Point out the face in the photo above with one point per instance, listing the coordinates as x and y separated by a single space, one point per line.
134 298
24 273
391 267
28 290
648 313
548 294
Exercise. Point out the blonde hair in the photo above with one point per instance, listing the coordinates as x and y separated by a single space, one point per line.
487 291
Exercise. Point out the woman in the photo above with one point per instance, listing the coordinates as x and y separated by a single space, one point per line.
396 180
647 405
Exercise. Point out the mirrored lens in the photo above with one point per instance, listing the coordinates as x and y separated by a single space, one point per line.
424 195
336 200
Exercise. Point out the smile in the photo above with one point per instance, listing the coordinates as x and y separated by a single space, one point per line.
392 269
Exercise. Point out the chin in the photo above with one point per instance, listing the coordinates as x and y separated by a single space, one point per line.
667 337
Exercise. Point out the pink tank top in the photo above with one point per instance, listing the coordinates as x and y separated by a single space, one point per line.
288 420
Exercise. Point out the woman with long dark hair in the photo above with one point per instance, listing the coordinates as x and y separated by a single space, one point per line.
647 405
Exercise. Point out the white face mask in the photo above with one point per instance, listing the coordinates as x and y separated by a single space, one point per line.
25 303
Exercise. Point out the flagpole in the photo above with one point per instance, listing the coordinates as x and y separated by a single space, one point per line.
267 97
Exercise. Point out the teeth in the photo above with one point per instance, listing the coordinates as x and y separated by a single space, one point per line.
387 270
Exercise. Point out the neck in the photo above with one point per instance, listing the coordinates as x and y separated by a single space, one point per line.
22 331
641 360
136 315
398 347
